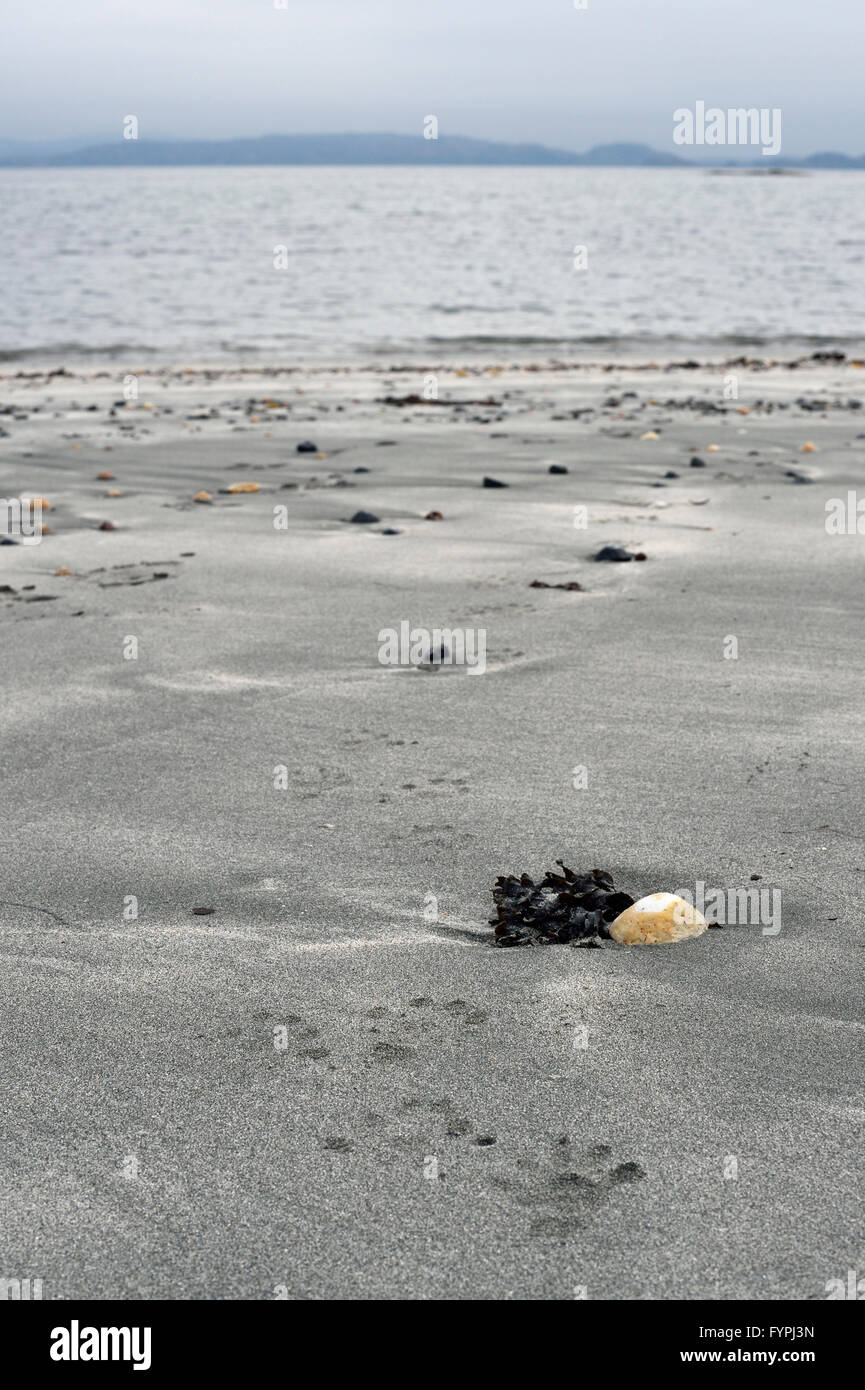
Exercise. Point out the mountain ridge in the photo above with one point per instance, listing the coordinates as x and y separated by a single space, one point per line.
377 148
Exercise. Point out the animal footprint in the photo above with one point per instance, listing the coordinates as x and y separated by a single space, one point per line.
295 1030
566 1192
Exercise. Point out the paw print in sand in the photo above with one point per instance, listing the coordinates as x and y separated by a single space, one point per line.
564 1193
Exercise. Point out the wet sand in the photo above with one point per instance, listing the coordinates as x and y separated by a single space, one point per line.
325 1088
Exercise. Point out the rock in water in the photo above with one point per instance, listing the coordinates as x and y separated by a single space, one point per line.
656 920
307 447
494 482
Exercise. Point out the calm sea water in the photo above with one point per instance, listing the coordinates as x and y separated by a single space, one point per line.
177 265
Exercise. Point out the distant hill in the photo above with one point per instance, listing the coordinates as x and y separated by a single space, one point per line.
331 149
832 160
380 149
630 156
37 151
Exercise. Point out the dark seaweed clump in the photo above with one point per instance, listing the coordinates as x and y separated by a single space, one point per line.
562 908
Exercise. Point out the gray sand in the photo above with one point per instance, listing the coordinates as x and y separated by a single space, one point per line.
157 1143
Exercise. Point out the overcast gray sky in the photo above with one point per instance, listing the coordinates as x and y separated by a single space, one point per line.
500 69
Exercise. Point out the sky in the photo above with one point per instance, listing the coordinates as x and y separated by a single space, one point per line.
513 70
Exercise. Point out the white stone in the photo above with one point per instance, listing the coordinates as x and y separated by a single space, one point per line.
657 919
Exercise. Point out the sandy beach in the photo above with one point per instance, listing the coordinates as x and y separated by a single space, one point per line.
332 1086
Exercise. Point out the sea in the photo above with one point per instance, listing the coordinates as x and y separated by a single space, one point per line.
191 266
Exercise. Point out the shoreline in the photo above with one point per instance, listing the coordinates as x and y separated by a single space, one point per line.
473 364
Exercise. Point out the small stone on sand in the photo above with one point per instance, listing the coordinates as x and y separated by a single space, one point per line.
656 920
614 553
571 585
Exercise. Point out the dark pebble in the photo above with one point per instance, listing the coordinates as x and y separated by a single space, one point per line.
365 518
494 482
307 447
614 553
571 585
697 463
671 474
557 468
